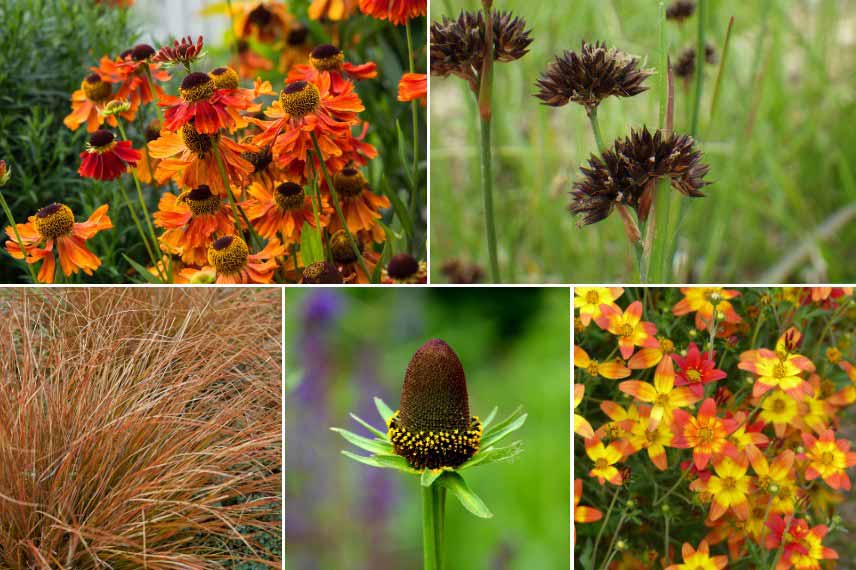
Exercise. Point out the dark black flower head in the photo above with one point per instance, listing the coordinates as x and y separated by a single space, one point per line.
680 10
649 156
458 46
591 75
322 272
684 67
433 427
605 184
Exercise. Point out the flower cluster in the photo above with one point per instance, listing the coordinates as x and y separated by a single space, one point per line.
253 183
721 410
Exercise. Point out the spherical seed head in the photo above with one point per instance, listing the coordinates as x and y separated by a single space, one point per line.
194 140
684 66
100 139
224 78
289 196
196 86
458 46
591 75
349 182
96 89
228 255
300 98
341 248
142 52
327 57
433 427
402 266
680 10
200 200
54 221
321 272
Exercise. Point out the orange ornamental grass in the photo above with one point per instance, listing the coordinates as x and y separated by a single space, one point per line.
141 428
53 229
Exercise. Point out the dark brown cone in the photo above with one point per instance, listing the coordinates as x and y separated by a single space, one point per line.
589 76
322 272
680 10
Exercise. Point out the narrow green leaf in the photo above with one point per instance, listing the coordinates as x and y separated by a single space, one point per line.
381 461
508 420
370 445
494 455
311 248
402 145
501 434
368 426
384 410
398 206
468 499
429 476
144 273
489 419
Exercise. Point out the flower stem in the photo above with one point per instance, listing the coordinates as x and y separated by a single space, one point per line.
232 202
414 111
316 208
142 200
699 76
595 127
603 526
152 89
440 521
17 236
338 206
487 192
140 229
674 487
666 543
429 528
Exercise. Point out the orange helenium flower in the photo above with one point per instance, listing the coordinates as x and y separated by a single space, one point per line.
87 103
202 103
106 158
283 210
396 11
192 220
334 10
54 226
230 260
360 206
413 87
329 60
662 394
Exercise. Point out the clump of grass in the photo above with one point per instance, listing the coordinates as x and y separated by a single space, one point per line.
139 428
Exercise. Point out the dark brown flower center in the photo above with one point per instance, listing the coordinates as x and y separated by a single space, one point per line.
194 140
297 36
260 16
341 249
201 201
224 78
96 89
289 196
321 272
142 52
196 86
327 57
402 266
260 160
349 183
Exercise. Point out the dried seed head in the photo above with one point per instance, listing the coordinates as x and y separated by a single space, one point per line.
224 78
228 255
327 57
458 46
680 10
433 427
200 201
54 221
289 196
591 75
300 98
647 156
684 66
349 182
605 184
96 89
322 273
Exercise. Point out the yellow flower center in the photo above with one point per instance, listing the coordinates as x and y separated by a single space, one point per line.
228 255
592 298
693 375
224 78
612 431
196 86
194 140
349 183
300 98
729 483
779 371
341 248
327 58
827 458
779 406
705 435
54 221
626 330
289 196
662 400
601 463
96 89
593 368
201 201
667 346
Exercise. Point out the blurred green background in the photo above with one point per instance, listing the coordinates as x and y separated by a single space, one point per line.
781 147
345 347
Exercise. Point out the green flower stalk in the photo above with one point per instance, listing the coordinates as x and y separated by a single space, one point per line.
433 435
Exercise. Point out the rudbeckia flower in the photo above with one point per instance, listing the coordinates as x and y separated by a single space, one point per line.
330 60
396 11
828 458
612 369
706 434
703 300
86 103
628 326
699 559
413 87
605 457
581 425
773 371
54 227
283 210
360 206
187 157
589 299
665 398
729 488
583 514
191 220
202 103
230 262
105 158
697 369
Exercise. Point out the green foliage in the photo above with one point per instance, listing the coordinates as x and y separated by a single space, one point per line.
46 47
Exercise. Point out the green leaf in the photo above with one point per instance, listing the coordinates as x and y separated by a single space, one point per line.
510 418
311 248
368 426
384 410
382 461
489 419
370 445
398 206
142 271
494 455
586 556
430 475
384 255
468 499
403 144
498 435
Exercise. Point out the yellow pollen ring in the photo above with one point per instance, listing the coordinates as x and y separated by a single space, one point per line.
228 255
97 91
300 100
329 63
197 92
54 221
224 78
